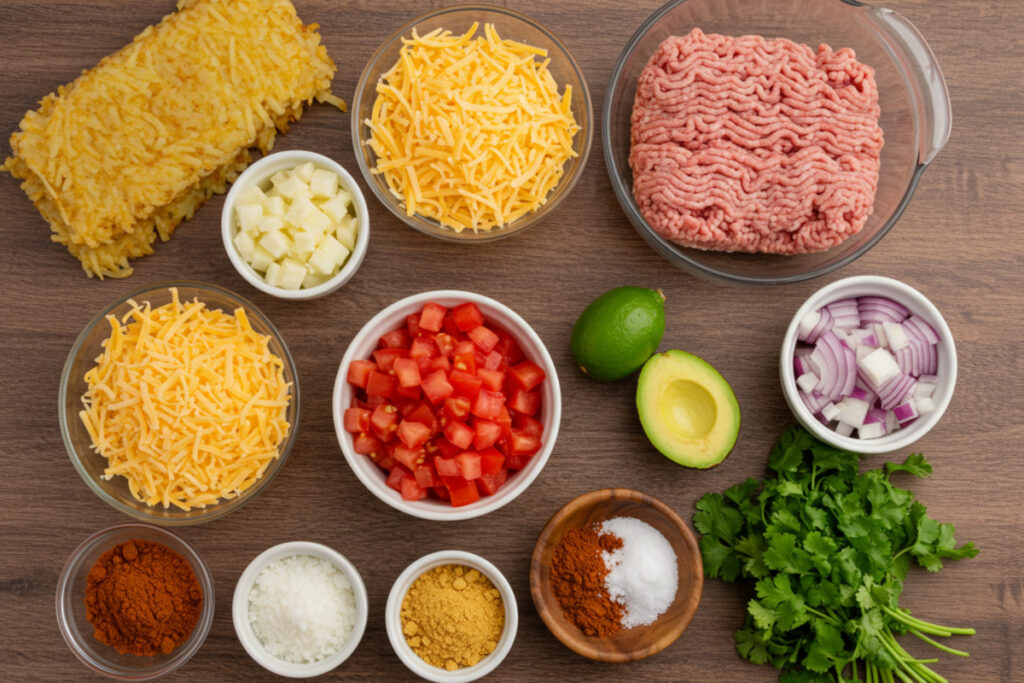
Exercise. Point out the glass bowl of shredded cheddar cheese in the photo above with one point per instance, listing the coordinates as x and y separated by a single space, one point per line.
472 123
179 403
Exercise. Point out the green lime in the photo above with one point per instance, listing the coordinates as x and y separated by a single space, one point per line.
618 332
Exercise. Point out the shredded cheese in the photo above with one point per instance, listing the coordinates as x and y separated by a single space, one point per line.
187 403
471 132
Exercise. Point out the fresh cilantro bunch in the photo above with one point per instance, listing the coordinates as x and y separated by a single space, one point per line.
829 549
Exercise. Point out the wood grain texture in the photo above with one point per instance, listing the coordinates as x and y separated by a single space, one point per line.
593 508
958 242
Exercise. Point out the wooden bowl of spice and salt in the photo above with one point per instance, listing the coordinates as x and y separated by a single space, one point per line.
616 575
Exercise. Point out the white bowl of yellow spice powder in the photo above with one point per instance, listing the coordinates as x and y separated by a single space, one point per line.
300 609
451 617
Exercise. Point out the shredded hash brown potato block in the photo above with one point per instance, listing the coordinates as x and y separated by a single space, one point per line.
188 404
133 146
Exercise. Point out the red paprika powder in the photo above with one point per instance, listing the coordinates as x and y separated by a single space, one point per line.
142 598
577 580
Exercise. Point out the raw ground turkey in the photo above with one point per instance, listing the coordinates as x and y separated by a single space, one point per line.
755 145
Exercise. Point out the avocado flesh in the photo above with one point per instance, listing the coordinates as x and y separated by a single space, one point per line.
687 409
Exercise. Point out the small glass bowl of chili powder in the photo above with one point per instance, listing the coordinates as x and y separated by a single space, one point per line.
129 566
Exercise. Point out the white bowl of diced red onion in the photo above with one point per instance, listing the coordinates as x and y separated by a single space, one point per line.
868 364
381 399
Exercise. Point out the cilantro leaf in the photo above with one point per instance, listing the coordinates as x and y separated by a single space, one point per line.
718 517
719 560
751 646
914 464
788 453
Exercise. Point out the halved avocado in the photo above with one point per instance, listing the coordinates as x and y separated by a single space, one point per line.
687 409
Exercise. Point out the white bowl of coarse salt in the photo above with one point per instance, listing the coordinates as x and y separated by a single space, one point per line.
300 609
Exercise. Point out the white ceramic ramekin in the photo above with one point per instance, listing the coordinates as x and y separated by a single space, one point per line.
869 285
259 174
393 617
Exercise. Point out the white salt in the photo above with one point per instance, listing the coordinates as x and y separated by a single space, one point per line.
302 608
642 574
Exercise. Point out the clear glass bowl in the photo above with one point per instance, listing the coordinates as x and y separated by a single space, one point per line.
90 464
914 101
78 632
458 19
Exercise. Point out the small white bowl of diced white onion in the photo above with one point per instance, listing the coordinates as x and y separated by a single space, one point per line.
295 225
868 364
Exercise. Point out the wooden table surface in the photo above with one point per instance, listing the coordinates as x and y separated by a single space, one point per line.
958 242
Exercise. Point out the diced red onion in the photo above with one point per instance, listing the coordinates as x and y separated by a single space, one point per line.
866 364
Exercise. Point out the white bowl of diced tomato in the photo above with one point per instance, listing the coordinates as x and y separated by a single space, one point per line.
447 405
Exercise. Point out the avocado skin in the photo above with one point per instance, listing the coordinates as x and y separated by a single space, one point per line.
660 371
613 324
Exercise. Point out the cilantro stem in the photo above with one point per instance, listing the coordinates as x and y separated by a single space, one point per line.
900 655
926 627
934 643
821 615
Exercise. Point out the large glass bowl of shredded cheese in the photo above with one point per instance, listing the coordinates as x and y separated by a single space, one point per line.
179 403
472 123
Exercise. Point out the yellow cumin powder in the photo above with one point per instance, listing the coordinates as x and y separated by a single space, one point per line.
452 617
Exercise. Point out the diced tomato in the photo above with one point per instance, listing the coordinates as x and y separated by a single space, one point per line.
440 363
457 407
411 490
424 415
488 404
408 393
467 316
464 357
449 326
373 401
426 476
464 383
437 387
462 492
487 433
411 458
357 420
422 350
493 361
395 339
522 443
491 379
517 462
359 372
407 372
439 383
490 483
384 421
469 465
491 460
529 425
459 434
527 374
412 325
445 343
413 434
508 347
396 476
432 316
504 421
380 384
446 467
386 358
525 402
366 444
484 338
446 448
